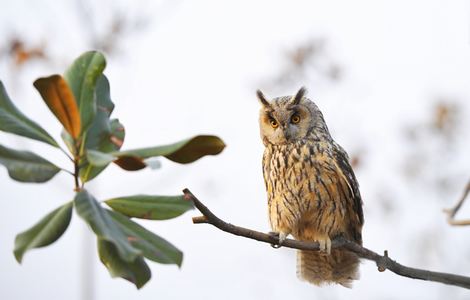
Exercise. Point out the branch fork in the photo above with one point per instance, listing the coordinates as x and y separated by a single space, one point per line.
451 212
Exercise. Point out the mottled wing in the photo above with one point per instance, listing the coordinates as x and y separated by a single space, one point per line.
354 197
336 195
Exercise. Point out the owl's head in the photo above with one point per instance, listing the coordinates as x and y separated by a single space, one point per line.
288 119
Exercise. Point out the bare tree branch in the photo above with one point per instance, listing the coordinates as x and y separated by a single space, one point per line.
384 262
451 212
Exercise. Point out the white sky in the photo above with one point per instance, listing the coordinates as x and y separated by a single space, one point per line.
194 71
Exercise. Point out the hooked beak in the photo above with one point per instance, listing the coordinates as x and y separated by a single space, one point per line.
287 133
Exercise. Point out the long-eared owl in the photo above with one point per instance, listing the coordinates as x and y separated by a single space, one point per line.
313 193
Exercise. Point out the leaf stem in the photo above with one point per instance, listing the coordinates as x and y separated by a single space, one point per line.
66 154
67 171
78 147
76 174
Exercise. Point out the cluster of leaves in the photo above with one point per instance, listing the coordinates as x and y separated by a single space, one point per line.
81 102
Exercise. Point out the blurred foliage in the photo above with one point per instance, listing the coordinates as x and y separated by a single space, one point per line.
103 26
431 142
80 101
445 118
309 61
21 53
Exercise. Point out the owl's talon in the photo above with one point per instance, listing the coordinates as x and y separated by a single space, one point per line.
325 245
322 245
276 235
281 236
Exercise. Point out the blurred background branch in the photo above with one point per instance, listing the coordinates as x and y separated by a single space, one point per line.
309 61
451 212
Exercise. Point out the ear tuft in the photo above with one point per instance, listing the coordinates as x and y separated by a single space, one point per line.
262 98
300 94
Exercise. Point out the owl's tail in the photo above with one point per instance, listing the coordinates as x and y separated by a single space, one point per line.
320 268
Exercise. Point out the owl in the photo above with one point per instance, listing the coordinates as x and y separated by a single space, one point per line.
312 191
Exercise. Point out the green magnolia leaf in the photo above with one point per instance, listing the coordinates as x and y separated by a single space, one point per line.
150 207
182 152
82 77
14 121
152 246
48 230
104 135
136 271
113 141
100 129
99 159
118 133
26 166
103 225
68 140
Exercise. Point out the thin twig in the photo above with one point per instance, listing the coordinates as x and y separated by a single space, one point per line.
384 262
451 212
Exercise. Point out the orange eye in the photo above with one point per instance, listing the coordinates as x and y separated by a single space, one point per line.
273 123
295 119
